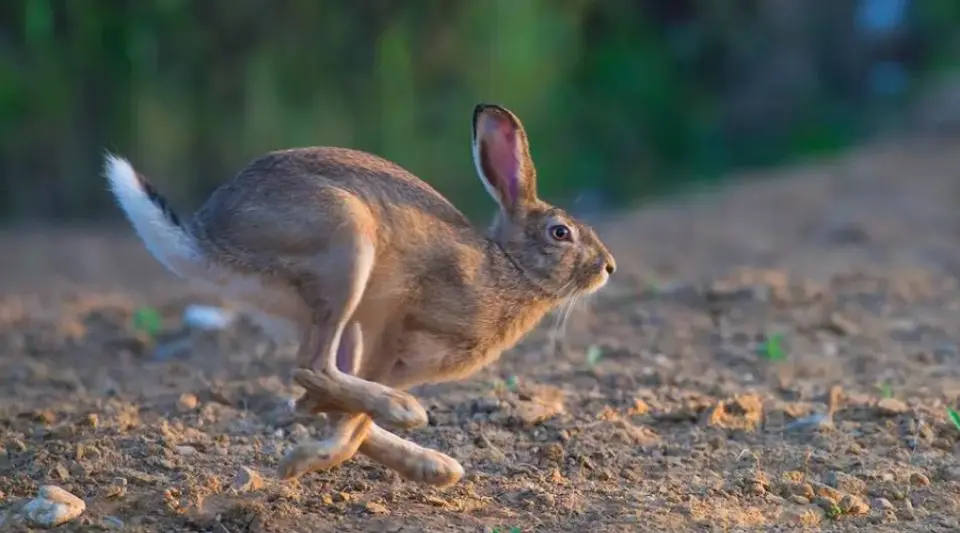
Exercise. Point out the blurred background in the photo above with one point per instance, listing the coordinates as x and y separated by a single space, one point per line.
622 99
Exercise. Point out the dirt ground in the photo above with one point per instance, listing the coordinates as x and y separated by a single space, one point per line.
776 355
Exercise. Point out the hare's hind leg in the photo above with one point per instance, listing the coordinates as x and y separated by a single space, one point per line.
332 286
410 460
350 431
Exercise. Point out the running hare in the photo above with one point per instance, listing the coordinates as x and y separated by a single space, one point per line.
385 282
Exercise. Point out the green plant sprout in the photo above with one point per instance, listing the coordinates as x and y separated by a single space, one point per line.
886 390
954 417
147 320
772 348
594 354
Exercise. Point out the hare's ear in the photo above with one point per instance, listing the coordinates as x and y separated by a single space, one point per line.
502 157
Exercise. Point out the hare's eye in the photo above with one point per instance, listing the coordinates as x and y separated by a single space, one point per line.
560 232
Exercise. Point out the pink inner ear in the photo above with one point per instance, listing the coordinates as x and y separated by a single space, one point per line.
500 139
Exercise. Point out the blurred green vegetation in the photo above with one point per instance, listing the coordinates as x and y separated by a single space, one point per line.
627 98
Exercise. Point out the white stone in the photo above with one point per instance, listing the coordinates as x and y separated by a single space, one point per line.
52 507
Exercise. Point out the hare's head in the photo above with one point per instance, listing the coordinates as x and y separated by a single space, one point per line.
555 251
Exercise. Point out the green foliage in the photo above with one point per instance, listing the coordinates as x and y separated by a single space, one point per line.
772 348
147 320
594 355
954 417
630 98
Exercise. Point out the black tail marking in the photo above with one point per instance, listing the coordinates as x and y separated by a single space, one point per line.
158 200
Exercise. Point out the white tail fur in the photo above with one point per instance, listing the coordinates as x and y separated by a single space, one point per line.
154 222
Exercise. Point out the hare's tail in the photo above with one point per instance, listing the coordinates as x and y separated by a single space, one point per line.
162 231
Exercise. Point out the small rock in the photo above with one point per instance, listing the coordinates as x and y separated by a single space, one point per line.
907 513
92 420
60 472
799 500
111 522
187 402
118 488
841 325
919 480
853 505
247 480
891 407
298 432
819 421
538 410
827 491
744 412
376 508
552 453
52 507
845 482
756 489
186 450
640 407
827 504
883 504
487 404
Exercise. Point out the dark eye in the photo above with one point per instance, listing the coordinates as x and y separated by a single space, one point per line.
560 232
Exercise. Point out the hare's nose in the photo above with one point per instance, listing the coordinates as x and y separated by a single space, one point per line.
610 267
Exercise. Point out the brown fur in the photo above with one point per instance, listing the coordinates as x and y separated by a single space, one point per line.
356 251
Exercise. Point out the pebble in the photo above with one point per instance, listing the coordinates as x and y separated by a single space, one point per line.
186 450
891 407
919 480
846 483
853 505
883 504
111 522
376 508
907 513
187 402
52 507
247 480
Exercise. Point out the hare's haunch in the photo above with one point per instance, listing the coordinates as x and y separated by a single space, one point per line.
386 284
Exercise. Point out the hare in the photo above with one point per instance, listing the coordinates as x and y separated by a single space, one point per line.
386 283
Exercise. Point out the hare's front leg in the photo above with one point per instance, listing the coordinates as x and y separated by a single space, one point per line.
332 288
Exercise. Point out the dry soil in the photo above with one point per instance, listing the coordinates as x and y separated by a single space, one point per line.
778 354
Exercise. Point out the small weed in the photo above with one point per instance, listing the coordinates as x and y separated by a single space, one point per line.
513 529
834 512
886 390
772 348
594 355
509 384
954 417
147 320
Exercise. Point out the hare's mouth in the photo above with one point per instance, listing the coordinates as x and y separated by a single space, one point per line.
598 283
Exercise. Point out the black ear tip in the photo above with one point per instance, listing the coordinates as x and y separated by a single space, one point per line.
483 106
479 108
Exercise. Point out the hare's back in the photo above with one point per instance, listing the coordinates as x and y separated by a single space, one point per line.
300 191
374 179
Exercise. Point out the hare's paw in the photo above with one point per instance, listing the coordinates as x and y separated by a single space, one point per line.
310 457
401 410
435 468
